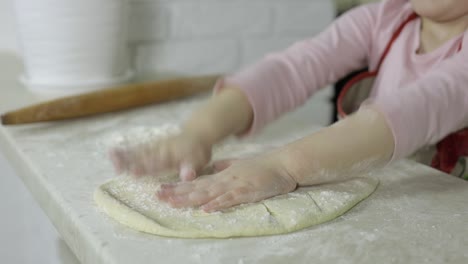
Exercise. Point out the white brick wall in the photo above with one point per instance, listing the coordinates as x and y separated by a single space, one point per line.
148 21
218 36
214 19
302 18
194 56
253 49
174 37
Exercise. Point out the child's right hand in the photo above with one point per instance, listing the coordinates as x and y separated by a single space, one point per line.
185 152
227 113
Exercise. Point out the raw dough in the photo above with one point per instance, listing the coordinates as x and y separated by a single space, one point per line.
133 203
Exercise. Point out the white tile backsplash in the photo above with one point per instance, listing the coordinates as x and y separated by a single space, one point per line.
200 19
302 18
148 22
221 36
163 32
253 49
189 57
7 26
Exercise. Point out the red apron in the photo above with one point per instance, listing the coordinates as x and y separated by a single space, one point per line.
450 152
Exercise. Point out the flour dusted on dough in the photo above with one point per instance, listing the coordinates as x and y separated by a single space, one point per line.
133 202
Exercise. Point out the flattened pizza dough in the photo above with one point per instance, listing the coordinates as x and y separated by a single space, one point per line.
132 202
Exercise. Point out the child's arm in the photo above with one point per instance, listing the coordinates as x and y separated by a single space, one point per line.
351 146
226 113
282 81
355 144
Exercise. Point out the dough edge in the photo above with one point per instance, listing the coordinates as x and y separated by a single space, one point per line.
130 218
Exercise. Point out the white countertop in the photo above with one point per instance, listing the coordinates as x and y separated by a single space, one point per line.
416 215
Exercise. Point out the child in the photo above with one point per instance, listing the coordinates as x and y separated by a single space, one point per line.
414 51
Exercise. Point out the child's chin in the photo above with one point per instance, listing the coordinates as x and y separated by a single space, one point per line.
440 11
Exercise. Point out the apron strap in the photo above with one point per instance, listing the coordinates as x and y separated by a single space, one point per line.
341 97
394 37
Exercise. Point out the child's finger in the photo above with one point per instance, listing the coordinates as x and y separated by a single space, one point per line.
221 165
191 164
167 190
230 198
149 161
163 156
191 193
119 159
187 172
114 157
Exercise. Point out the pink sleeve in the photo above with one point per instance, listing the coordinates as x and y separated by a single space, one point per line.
431 108
283 81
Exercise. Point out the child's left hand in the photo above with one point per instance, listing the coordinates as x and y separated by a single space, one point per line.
245 181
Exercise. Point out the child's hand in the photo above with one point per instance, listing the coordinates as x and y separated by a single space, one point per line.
245 181
227 113
185 152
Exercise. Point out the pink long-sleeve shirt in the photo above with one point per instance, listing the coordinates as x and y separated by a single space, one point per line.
424 97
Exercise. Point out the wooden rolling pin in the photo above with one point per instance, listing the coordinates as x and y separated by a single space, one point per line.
110 100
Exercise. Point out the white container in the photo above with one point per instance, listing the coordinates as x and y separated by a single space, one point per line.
73 46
